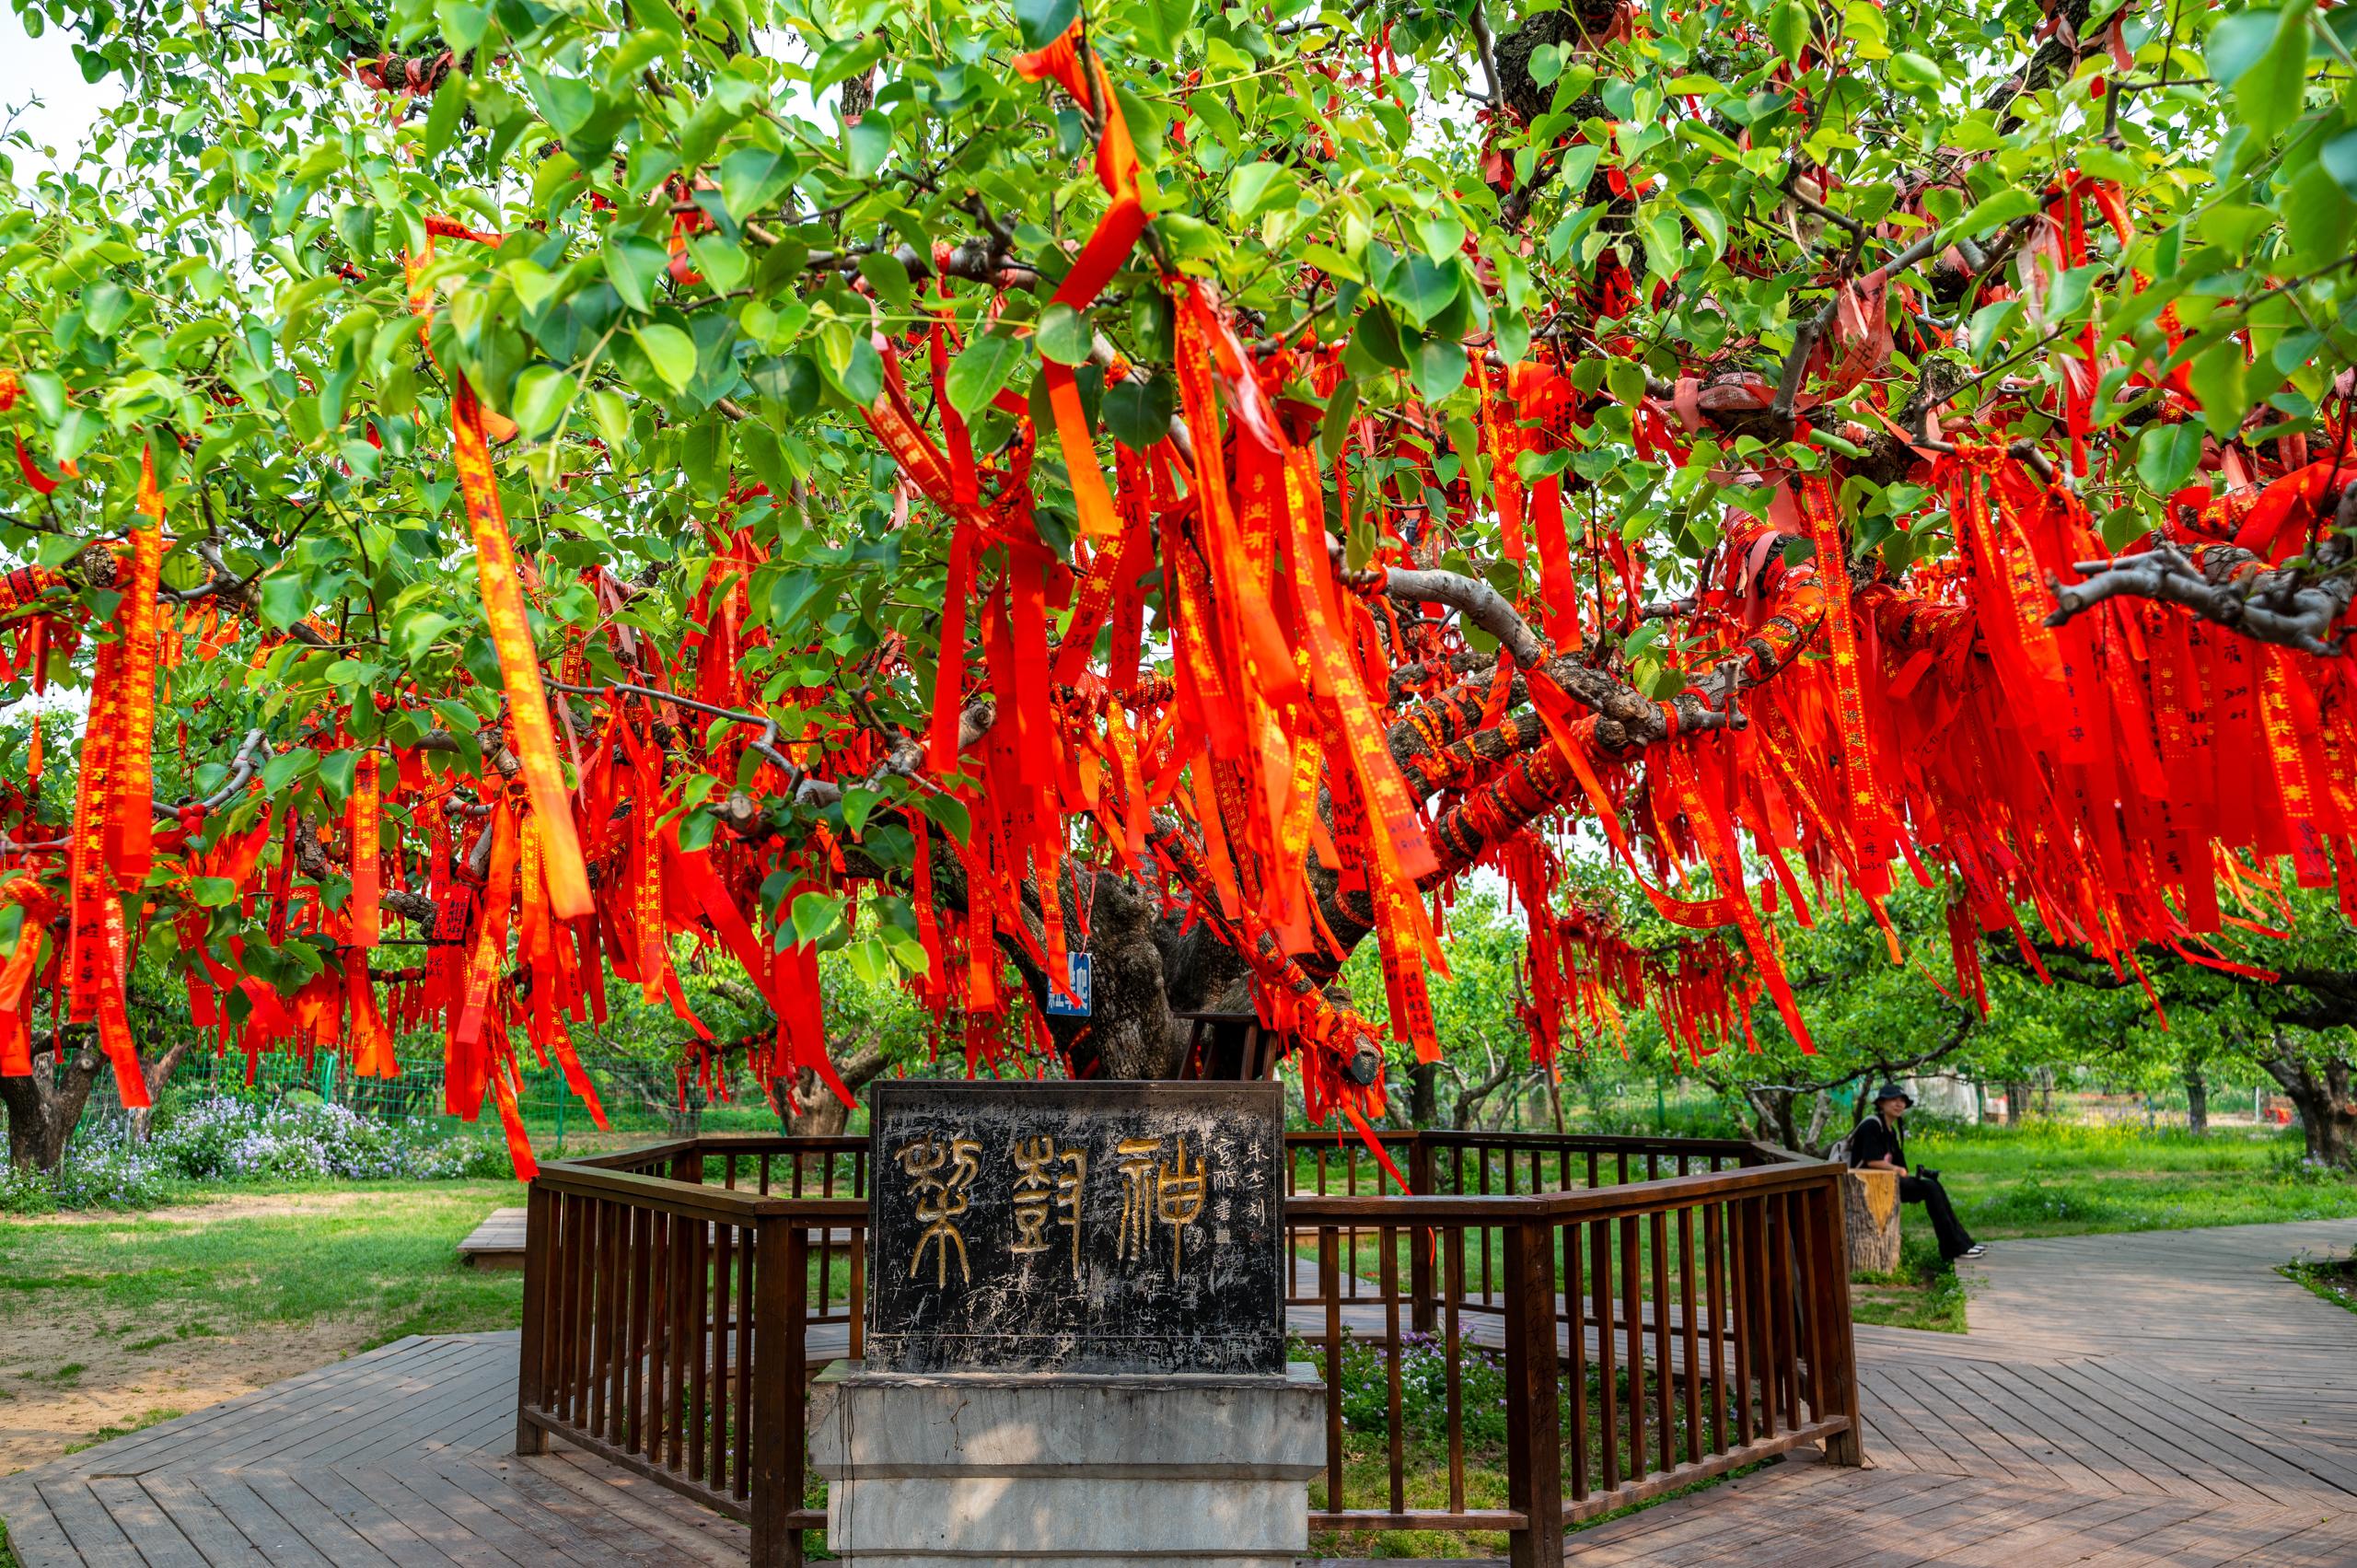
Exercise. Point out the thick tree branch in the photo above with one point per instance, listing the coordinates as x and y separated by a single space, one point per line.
2292 608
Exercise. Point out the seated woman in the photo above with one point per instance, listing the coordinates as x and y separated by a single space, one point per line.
1880 1144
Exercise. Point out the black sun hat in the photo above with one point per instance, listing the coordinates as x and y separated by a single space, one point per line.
1892 1091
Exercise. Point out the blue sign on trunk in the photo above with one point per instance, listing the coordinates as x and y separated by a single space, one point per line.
1077 1002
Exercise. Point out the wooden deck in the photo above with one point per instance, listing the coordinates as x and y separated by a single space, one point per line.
497 1243
2124 1401
2121 1401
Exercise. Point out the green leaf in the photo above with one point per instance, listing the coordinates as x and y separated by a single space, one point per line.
1335 428
540 394
1063 334
977 373
2219 382
1788 29
1159 23
2338 158
1512 329
1376 340
1997 210
449 108
888 278
861 377
1044 21
2317 216
212 892
2269 93
2168 455
1439 368
752 178
105 305
1707 220
1138 413
670 351
1424 288
635 266
817 915
1910 69
337 770
286 768
1248 187
866 144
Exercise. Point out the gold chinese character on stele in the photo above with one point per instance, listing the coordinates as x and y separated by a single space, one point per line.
1153 1190
940 1173
1047 1184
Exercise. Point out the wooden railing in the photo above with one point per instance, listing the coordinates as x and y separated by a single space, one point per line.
1644 1313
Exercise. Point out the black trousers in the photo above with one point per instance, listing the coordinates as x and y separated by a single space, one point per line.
1955 1241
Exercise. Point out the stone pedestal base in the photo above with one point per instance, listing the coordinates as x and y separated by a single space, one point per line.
1079 1469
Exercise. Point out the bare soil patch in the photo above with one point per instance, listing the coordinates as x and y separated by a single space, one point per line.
67 1381
209 1210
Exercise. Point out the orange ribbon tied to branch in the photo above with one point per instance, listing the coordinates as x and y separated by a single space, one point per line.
519 664
1117 234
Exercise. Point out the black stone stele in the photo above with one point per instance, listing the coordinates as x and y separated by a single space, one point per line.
1077 1227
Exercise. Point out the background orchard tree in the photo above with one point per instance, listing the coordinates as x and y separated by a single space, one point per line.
1174 481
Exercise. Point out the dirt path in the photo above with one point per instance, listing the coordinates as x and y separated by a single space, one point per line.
228 1206
66 1382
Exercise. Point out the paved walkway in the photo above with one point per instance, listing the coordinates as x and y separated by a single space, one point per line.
2129 1401
2163 1398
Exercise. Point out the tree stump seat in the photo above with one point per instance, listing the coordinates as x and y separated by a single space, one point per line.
1870 1220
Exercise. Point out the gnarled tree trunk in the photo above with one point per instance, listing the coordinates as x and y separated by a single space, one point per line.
2321 1091
44 1105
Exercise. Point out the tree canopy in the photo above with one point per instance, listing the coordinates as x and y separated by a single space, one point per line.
969 486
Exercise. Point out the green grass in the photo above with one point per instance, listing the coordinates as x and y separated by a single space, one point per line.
2335 1279
1922 1293
389 1260
2054 1178
109 1434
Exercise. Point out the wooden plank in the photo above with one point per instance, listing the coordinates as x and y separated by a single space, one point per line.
519 1491
693 1534
2270 1474
2109 1400
276 1540
249 1427
214 1535
486 1509
39 1540
219 1431
305 1495
2149 1461
96 1537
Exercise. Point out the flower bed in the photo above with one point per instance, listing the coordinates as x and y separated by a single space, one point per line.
232 1139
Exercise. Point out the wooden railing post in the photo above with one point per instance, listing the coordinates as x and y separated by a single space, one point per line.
1838 1380
779 1291
1534 1422
688 1166
1423 1305
531 1385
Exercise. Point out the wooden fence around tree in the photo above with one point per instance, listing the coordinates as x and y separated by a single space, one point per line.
1643 1313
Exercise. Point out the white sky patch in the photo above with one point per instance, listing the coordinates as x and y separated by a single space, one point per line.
42 94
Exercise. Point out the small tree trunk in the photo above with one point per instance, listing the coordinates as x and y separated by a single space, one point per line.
2016 1101
2197 1101
1424 1094
1771 1109
157 1073
821 1114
